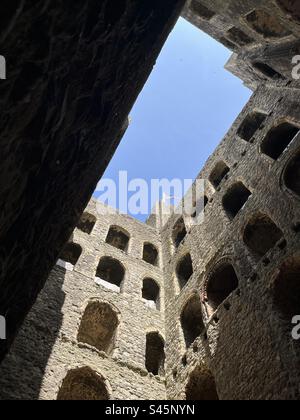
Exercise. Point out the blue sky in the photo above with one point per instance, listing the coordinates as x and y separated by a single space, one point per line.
187 106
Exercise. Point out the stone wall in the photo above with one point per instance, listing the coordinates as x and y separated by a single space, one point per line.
262 35
243 348
47 347
228 281
244 343
74 71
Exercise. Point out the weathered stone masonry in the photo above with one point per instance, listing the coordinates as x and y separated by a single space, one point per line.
176 309
244 340
74 71
57 345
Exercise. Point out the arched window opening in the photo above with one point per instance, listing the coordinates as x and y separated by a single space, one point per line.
261 234
118 238
184 270
83 384
218 174
155 354
266 70
220 285
287 289
201 386
267 25
179 232
292 7
292 175
150 254
278 139
191 320
86 223
235 199
70 256
98 326
250 125
239 37
201 10
150 293
110 272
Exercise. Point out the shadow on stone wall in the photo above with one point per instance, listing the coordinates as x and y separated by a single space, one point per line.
246 358
22 372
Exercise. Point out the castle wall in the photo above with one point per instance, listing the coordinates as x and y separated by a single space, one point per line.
245 344
47 347
227 326
74 71
243 25
257 32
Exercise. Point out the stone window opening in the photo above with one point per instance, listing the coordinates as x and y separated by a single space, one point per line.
235 199
69 256
220 285
291 175
250 125
201 386
278 139
184 270
286 290
201 10
155 354
192 321
118 238
98 326
266 25
228 44
292 7
151 293
110 273
184 361
261 235
266 70
83 384
179 232
239 37
218 174
150 254
86 223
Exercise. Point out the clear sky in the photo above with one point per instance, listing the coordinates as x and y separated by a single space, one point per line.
187 106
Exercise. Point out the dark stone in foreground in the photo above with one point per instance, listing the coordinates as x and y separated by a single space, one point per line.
74 70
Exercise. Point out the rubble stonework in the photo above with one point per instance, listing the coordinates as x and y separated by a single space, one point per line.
173 309
73 73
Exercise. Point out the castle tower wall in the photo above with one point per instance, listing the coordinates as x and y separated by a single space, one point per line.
64 106
244 342
264 36
47 347
184 307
